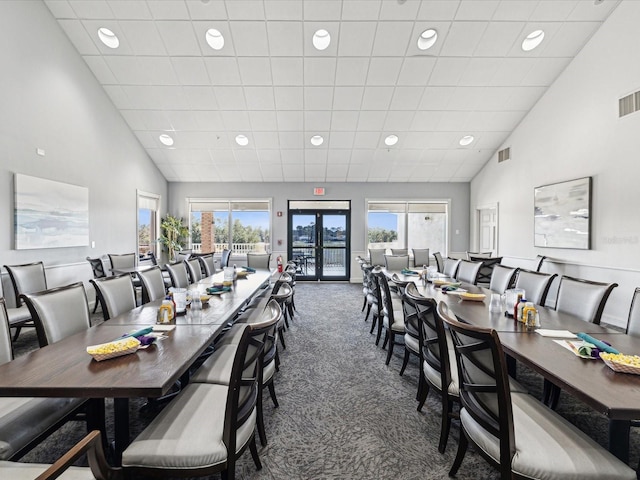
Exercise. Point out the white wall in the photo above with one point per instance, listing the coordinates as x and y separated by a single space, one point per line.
574 131
49 99
358 193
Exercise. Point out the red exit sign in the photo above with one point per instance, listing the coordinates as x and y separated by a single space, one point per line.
318 191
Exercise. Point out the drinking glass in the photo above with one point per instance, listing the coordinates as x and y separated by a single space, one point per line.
496 303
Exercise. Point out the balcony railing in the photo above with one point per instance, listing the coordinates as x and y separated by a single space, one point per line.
238 248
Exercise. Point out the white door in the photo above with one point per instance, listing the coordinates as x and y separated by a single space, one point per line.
488 230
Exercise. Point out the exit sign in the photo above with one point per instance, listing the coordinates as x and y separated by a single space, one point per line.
318 191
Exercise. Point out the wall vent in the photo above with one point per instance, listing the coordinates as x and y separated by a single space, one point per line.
504 154
629 104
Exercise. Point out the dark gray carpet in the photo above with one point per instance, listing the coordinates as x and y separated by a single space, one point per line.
344 414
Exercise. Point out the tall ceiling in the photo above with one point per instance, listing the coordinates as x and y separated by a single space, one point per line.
271 85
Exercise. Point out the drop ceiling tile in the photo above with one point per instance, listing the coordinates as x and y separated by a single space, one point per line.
317 120
100 69
316 156
462 39
351 71
179 38
290 121
406 98
556 11
515 10
425 121
477 120
91 10
249 38
524 98
263 120
416 71
438 10
504 121
283 10
512 71
148 139
236 121
139 98
168 9
245 10
223 70
210 121
377 98
347 98
399 10
436 98
384 71
569 39
361 157
288 98
431 158
356 39
270 157
360 10
480 71
452 121
230 98
127 70
344 120
291 170
498 39
588 11
392 38
291 140
190 70
287 71
545 71
181 120
448 71
398 121
79 37
247 158
255 70
223 157
285 39
309 30
134 119
155 120
495 98
319 71
199 10
318 98
266 140
292 156
465 98
315 172
157 70
338 156
445 140
130 9
417 140
476 9
408 156
199 98
491 141
143 36
60 8
366 140
371 121
321 10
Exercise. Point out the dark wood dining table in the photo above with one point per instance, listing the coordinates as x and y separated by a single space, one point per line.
64 369
615 395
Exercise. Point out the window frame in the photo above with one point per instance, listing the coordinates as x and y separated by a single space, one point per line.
154 230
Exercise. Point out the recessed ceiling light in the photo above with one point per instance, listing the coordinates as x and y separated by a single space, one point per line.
166 140
533 40
321 39
317 140
242 140
466 140
215 39
427 39
391 140
107 37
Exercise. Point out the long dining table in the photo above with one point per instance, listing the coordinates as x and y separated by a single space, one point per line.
615 395
64 369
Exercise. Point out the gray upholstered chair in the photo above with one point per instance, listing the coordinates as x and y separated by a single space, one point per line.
536 285
153 286
439 261
25 421
206 428
376 256
450 267
178 274
26 278
516 433
258 260
207 263
468 271
217 368
58 312
502 278
225 258
583 298
420 257
411 324
395 263
392 315
399 251
124 260
537 263
633 321
98 272
117 295
195 269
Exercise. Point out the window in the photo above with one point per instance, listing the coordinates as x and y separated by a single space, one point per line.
148 212
239 225
407 225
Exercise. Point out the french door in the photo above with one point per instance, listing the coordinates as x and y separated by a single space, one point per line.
319 241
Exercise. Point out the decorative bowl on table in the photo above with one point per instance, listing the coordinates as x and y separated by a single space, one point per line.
474 297
619 362
439 282
204 298
242 273
114 349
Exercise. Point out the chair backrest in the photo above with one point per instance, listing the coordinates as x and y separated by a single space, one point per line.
152 258
6 347
583 298
116 294
152 284
420 257
536 285
468 271
59 312
451 267
439 261
483 380
399 251
182 256
195 269
502 278
537 263
472 255
178 274
376 256
395 263
125 260
269 319
226 256
385 300
27 278
258 260
633 322
484 275
97 266
207 263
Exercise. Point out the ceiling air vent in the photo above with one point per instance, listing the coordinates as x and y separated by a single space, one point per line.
504 154
629 104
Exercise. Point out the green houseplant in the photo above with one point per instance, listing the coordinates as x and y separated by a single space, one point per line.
174 233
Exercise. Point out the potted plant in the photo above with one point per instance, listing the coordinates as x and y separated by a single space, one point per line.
174 232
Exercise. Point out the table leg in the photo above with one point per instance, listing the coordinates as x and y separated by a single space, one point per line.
619 439
512 367
96 418
121 427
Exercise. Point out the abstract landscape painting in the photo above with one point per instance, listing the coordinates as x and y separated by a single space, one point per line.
50 214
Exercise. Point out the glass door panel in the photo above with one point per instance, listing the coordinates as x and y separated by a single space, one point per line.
334 245
303 243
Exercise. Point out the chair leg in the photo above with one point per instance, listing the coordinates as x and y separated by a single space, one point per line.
374 322
423 391
15 337
277 361
272 392
368 310
379 334
391 336
290 308
286 317
386 339
95 307
445 427
254 453
463 444
282 338
260 418
405 360
364 304
550 394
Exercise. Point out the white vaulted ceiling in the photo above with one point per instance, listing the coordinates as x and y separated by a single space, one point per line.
271 85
